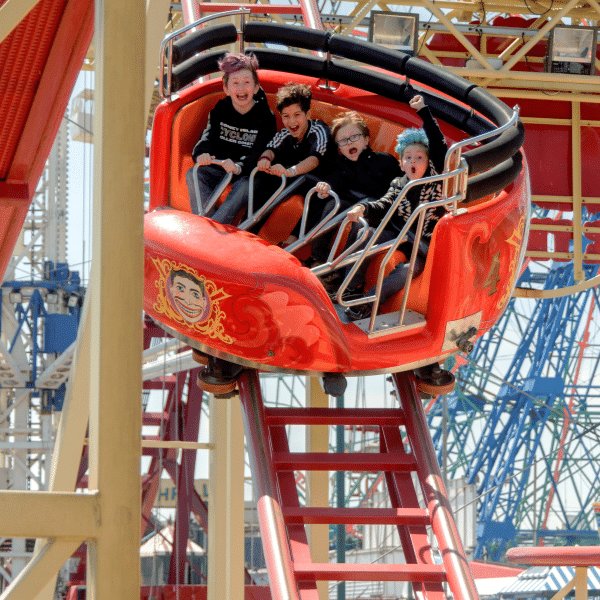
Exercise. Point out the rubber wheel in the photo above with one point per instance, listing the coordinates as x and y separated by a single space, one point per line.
200 357
444 383
216 387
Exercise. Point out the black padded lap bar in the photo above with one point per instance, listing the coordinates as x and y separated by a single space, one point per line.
300 37
197 66
292 62
495 179
439 79
202 40
368 53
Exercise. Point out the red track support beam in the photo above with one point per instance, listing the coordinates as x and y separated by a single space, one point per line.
459 576
279 562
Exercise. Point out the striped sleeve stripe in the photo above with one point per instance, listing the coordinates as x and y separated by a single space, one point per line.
278 139
321 134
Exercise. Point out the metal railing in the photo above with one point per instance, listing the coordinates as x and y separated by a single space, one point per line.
454 185
216 194
251 217
166 47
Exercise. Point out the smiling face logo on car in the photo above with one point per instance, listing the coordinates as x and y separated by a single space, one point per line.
190 299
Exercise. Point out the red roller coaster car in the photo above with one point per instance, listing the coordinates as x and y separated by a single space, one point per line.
235 296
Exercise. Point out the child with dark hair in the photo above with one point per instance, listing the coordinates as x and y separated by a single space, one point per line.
300 147
357 173
239 127
421 154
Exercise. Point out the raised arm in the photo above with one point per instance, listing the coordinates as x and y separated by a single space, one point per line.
437 141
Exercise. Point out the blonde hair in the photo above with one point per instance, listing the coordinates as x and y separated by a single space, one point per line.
349 118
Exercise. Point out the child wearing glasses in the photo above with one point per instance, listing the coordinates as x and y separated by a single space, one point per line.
421 154
358 172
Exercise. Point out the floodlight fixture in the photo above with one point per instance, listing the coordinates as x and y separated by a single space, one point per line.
397 31
74 300
572 50
52 298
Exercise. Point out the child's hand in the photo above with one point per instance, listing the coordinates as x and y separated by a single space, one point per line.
204 159
230 167
264 164
323 189
416 102
356 213
277 169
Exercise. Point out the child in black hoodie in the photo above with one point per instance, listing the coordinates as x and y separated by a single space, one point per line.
358 173
421 154
238 129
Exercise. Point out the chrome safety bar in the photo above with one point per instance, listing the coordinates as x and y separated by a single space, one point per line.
453 155
166 47
252 218
205 210
357 259
305 238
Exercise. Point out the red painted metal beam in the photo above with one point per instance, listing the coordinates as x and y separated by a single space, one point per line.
460 580
334 416
267 9
369 572
39 64
352 516
329 461
567 556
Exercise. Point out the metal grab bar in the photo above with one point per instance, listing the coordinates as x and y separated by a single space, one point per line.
216 194
452 161
252 218
448 159
167 43
358 259
363 233
458 174
305 238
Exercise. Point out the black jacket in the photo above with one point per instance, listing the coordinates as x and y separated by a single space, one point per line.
377 209
368 177
242 138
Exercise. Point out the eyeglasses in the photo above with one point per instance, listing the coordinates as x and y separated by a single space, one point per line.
349 139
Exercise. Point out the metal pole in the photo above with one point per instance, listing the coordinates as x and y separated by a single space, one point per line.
270 516
340 493
460 579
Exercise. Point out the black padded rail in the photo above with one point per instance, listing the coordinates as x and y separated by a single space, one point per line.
202 40
492 165
290 35
196 66
478 159
494 180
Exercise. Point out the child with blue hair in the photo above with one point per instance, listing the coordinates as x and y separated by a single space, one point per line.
421 154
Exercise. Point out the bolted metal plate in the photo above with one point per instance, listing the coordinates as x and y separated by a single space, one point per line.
388 324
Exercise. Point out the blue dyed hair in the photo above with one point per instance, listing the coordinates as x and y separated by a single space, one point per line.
409 137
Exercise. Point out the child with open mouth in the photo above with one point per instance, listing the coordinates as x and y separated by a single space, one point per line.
421 154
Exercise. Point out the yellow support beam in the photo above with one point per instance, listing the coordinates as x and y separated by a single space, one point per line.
116 299
318 481
226 500
73 516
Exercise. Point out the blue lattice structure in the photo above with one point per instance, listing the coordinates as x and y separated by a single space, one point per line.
47 313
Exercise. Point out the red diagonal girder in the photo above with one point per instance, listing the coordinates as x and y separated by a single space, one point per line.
39 63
